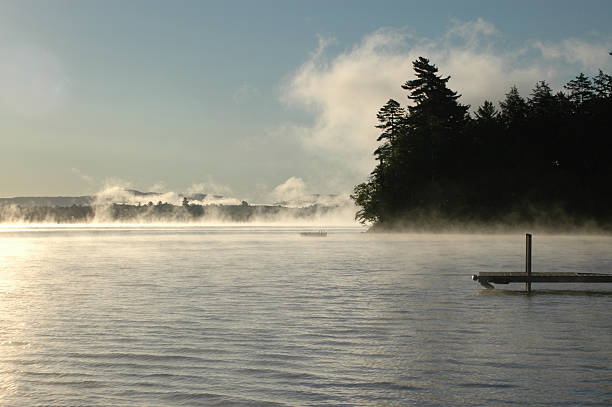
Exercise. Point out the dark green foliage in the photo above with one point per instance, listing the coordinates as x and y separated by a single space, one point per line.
366 198
513 109
391 119
44 214
546 159
420 155
602 85
487 113
580 89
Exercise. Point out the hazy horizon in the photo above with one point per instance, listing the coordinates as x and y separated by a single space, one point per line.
292 193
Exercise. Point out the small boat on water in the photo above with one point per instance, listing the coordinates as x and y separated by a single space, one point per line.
320 233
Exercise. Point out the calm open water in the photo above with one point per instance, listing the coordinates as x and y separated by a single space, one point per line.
252 316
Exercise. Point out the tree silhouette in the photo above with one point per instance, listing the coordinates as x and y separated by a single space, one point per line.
545 159
513 109
487 113
422 138
602 85
580 89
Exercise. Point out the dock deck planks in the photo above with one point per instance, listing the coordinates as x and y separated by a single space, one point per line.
520 277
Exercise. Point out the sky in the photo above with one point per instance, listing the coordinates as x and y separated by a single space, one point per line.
252 99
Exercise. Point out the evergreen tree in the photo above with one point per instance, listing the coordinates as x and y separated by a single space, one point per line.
436 118
418 149
390 118
602 85
542 101
513 109
366 198
486 113
580 89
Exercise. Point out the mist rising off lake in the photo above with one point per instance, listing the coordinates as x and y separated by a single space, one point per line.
263 316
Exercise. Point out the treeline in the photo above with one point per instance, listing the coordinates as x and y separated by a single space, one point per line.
545 159
160 212
42 214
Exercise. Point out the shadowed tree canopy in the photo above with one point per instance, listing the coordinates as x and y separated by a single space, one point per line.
513 109
548 157
391 118
423 138
580 89
602 85
487 113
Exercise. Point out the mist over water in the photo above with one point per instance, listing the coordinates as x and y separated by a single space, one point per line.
116 204
259 315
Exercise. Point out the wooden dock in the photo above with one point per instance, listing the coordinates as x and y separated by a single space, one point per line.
488 278
320 233
519 277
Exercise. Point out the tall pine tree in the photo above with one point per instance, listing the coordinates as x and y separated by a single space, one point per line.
418 154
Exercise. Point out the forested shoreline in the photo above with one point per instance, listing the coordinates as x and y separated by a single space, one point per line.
544 160
160 212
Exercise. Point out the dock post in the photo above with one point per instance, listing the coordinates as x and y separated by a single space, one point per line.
528 262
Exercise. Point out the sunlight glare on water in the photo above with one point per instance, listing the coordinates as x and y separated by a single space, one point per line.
154 316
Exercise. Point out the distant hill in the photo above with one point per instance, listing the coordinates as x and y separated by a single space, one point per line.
66 201
48 201
139 193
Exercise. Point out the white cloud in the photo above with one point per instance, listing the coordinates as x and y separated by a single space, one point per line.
471 31
344 92
590 56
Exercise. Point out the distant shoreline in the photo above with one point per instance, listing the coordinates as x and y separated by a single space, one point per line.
161 212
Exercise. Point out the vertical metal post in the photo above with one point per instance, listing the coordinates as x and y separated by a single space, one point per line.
528 262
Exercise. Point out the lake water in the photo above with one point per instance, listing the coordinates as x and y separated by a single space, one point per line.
258 316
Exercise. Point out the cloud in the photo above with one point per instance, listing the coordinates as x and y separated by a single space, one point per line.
343 92
471 31
589 56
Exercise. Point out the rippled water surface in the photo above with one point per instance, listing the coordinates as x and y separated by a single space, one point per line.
262 316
